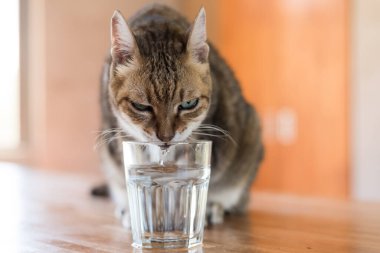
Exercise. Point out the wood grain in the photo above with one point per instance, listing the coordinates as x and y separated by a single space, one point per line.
50 212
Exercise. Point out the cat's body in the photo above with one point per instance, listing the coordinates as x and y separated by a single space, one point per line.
171 59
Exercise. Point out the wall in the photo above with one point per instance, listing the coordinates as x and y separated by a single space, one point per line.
365 99
68 41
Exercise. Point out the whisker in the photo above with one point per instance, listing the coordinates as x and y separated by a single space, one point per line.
216 136
191 138
213 129
210 127
108 135
208 134
109 130
104 133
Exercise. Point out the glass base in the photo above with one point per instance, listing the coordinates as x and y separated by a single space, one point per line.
168 242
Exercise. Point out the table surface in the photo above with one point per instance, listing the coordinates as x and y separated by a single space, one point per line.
53 212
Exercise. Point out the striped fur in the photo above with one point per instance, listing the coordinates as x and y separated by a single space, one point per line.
162 70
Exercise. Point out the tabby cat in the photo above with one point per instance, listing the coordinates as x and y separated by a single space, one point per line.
164 82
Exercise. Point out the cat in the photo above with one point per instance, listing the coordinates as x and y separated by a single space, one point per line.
163 81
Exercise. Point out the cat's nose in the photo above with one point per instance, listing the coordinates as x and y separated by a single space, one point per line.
165 137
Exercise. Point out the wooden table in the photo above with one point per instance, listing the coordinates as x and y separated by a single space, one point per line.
53 212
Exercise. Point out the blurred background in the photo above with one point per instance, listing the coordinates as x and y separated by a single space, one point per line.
310 67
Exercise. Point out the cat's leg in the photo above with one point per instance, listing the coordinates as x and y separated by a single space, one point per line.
243 201
214 213
119 195
232 189
251 153
117 188
231 195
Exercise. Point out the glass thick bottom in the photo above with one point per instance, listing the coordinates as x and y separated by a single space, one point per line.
168 240
167 209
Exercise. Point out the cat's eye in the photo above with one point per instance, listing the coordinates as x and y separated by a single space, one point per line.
141 107
188 105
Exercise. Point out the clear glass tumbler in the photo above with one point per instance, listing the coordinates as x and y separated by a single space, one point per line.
167 192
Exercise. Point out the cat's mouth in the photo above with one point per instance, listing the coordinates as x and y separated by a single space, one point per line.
178 137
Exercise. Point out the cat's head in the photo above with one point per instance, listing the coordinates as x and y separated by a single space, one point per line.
160 83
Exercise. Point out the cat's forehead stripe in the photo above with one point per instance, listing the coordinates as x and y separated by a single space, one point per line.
163 77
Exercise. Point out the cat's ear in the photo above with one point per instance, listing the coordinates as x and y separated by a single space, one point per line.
124 46
196 44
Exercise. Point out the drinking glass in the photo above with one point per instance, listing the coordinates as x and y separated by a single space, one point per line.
167 192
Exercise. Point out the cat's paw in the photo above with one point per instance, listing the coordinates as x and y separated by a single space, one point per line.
126 220
214 214
123 215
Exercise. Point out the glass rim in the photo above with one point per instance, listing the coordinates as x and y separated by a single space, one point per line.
160 143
